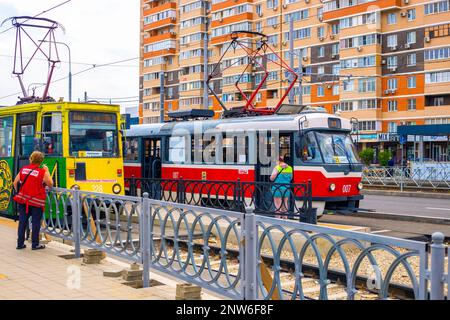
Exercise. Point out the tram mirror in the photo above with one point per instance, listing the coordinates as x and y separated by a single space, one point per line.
37 144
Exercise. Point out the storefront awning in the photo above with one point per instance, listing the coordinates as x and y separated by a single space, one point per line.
425 130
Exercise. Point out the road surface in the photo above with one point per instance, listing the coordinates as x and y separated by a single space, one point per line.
411 206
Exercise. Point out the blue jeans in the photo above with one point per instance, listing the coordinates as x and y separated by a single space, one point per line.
36 217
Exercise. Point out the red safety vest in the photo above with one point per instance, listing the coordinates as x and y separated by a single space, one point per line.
32 193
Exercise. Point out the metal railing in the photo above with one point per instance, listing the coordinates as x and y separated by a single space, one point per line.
231 195
406 178
227 252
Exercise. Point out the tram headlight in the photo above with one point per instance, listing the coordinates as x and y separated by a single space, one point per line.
332 187
360 186
116 188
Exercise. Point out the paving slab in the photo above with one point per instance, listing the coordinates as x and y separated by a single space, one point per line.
44 275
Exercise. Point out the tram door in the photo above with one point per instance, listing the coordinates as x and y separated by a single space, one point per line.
151 158
25 133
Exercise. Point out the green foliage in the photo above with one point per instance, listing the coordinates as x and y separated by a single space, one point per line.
384 157
367 155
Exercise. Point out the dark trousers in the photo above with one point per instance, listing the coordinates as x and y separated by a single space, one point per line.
36 217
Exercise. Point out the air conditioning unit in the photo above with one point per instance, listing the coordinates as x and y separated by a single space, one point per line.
173 18
331 36
427 39
284 6
383 61
275 8
393 68
359 48
320 18
403 14
305 58
260 14
333 56
393 48
392 90
173 33
284 43
405 1
220 19
321 38
329 86
307 1
274 26
407 46
275 44
386 92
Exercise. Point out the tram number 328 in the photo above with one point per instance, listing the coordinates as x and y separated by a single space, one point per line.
346 188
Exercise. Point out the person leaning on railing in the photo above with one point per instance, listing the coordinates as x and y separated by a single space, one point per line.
282 175
31 198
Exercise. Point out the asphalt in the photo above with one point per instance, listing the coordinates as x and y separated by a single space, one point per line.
409 206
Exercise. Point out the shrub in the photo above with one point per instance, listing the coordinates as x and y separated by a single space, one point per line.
384 157
367 156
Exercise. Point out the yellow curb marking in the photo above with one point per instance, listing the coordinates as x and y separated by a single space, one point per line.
3 277
8 222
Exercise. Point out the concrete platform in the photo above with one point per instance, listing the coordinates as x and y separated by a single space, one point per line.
44 275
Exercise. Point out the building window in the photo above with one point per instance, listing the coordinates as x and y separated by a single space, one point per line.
411 13
335 49
346 106
335 90
392 18
392 40
392 127
272 4
392 105
411 59
320 32
438 101
258 9
411 37
321 52
320 91
392 84
437 7
367 125
392 62
411 82
320 70
335 29
273 21
347 85
437 77
412 104
437 54
259 26
366 85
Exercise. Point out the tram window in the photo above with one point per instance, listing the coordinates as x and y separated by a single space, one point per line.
310 150
52 134
177 149
132 149
6 134
93 134
235 150
285 148
337 148
26 139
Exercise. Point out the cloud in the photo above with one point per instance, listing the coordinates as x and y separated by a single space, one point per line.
97 32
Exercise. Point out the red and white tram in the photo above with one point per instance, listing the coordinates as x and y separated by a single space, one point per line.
318 145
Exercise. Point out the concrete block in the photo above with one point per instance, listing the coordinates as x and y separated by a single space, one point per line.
112 273
187 291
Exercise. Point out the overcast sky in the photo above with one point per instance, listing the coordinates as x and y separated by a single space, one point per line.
97 31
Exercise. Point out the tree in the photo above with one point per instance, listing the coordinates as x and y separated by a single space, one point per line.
367 155
384 157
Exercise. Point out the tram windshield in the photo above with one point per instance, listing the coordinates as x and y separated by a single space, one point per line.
93 134
329 147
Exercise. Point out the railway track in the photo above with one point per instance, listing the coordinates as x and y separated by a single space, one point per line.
336 288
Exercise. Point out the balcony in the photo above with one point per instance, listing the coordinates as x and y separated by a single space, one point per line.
171 21
160 37
229 3
336 9
160 8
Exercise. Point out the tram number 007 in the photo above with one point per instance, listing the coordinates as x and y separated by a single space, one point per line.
346 188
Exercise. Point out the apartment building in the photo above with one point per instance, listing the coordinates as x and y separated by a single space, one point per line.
383 62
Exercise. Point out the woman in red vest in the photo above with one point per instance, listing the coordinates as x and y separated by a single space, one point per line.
31 198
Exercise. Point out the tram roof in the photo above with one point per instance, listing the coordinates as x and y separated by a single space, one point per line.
272 122
67 105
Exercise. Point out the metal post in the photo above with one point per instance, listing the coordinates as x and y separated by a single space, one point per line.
291 55
300 77
161 96
146 241
250 255
437 267
205 64
76 220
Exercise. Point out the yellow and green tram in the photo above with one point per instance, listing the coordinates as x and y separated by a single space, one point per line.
81 143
